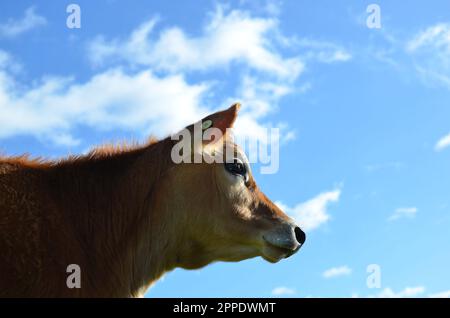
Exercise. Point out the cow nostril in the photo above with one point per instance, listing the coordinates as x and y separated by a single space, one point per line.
299 235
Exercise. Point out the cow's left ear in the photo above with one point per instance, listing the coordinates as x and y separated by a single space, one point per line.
223 119
210 132
219 122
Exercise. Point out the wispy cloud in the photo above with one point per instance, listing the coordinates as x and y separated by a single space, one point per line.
312 213
404 212
425 53
430 49
436 36
8 63
283 291
337 271
15 27
442 143
416 291
443 294
322 51
407 292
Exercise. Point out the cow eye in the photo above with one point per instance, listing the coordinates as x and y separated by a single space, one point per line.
236 167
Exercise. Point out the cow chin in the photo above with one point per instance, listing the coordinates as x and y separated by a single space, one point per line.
274 254
238 253
204 256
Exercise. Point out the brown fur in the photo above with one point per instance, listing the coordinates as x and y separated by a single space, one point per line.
83 210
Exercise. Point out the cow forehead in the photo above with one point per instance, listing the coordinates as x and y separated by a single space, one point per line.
235 151
227 151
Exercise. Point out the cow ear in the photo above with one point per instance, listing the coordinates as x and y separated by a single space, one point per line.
211 132
216 125
223 119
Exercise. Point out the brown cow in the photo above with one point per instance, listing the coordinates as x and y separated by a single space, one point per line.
126 216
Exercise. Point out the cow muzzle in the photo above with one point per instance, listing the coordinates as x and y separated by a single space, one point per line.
282 242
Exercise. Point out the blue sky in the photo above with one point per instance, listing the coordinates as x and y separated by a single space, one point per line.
364 160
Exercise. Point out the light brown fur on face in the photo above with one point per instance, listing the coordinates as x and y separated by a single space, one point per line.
126 216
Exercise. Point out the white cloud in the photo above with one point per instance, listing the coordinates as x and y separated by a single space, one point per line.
407 292
109 100
437 36
233 37
260 98
417 291
405 212
29 21
324 52
8 63
336 56
443 143
337 271
431 50
312 213
283 291
444 294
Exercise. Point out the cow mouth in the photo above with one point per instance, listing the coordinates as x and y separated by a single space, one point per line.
273 253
